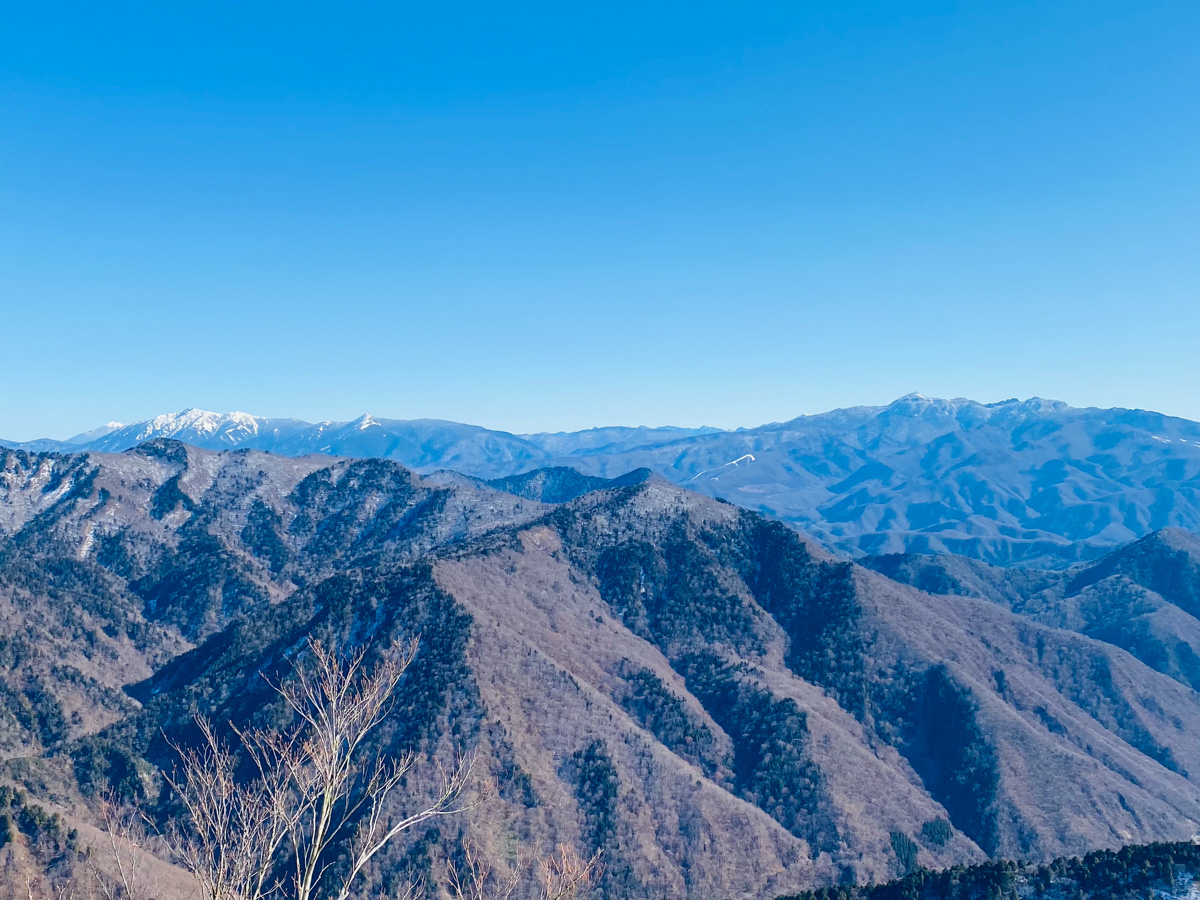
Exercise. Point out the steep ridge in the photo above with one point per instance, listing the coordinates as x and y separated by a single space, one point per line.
1141 597
110 565
1032 482
558 484
712 700
1166 562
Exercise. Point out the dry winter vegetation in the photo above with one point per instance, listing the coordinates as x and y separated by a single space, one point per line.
298 812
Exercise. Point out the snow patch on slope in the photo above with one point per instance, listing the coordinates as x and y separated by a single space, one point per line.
732 464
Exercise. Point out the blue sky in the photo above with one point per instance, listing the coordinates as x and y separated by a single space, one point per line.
553 216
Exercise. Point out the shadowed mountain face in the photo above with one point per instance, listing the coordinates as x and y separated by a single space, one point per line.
1013 483
559 484
712 700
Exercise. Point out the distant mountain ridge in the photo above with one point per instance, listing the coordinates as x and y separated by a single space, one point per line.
1016 482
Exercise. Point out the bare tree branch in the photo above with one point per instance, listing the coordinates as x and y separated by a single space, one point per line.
563 875
566 874
477 881
127 875
312 786
231 835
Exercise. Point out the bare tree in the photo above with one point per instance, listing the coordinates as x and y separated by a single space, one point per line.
125 849
563 875
313 797
313 786
231 834
63 890
475 879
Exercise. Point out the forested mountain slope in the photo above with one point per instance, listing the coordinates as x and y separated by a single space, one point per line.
716 703
1141 597
1165 871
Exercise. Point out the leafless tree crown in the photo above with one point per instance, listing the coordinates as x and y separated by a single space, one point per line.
312 787
314 795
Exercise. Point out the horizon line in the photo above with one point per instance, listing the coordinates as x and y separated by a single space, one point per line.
114 426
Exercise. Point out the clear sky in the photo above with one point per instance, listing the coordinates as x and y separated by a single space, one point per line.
553 216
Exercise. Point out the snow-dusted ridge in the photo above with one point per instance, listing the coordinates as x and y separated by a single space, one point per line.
1020 481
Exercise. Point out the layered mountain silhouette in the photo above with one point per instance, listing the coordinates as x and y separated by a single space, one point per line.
710 698
1031 482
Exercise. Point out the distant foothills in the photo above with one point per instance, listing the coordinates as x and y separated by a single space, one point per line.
1020 482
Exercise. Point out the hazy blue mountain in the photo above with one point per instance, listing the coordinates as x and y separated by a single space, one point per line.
94 434
1033 482
422 444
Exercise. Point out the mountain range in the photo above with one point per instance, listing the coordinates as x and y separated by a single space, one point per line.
1032 482
716 702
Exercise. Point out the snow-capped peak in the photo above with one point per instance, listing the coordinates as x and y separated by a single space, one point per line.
198 422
